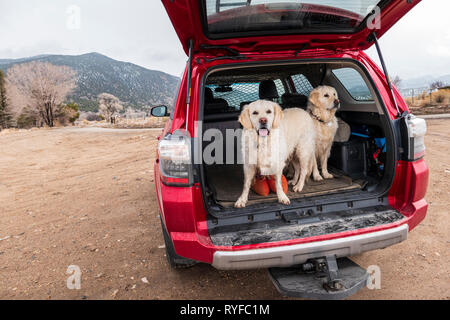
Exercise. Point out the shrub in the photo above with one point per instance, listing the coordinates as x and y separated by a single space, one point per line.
441 96
68 113
25 121
91 116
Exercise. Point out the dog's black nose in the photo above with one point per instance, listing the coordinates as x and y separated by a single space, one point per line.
336 103
263 120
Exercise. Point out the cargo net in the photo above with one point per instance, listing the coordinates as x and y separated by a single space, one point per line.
239 94
302 85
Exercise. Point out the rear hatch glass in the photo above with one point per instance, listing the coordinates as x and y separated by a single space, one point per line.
227 17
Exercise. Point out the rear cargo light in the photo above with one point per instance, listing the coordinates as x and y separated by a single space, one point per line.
416 129
175 159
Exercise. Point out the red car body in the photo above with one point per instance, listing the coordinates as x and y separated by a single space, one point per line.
182 209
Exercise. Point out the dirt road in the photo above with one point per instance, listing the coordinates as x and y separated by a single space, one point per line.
86 198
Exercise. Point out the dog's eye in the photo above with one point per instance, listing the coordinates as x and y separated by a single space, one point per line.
269 111
255 113
327 95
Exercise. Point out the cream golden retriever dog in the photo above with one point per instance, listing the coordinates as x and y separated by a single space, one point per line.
269 139
322 106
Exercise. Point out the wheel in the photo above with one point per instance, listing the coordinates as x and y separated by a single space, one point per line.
175 261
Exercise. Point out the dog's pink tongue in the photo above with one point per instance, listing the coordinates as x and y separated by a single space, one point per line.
263 132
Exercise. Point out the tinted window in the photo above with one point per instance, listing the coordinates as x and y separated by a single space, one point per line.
242 93
302 85
236 16
280 87
354 83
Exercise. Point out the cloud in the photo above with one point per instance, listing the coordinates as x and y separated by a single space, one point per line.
137 31
419 44
439 51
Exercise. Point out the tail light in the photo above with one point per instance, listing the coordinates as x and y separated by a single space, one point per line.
175 160
416 129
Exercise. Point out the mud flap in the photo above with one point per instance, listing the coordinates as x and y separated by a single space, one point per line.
327 278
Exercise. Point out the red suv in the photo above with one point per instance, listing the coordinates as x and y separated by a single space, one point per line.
242 51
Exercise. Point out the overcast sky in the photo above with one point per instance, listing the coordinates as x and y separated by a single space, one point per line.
139 31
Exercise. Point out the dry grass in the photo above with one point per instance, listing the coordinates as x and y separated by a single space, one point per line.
150 122
422 104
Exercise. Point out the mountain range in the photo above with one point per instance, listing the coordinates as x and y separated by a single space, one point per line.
425 81
134 85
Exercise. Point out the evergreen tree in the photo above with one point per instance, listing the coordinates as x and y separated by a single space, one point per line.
5 115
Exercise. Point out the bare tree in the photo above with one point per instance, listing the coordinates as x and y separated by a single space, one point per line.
436 85
396 81
37 89
108 105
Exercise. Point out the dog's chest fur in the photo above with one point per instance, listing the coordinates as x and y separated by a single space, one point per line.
325 133
267 153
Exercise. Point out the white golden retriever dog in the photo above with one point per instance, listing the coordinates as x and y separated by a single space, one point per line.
270 138
322 106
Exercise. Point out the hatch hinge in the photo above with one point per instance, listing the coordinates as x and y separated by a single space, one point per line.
373 37
232 54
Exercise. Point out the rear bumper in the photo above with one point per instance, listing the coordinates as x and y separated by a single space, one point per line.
285 256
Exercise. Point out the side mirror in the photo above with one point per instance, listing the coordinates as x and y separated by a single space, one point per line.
160 111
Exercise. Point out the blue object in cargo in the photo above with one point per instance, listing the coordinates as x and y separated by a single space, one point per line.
381 143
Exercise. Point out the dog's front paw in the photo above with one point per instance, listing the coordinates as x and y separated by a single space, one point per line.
291 182
298 187
317 177
284 199
240 203
327 175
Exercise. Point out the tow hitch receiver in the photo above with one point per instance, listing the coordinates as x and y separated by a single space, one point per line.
325 278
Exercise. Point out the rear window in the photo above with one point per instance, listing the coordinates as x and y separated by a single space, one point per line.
301 84
240 92
223 18
354 83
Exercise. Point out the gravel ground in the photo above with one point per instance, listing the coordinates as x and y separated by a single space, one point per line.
86 198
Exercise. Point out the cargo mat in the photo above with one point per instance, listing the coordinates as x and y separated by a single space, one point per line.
227 182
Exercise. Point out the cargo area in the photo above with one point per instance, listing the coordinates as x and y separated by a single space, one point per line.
227 191
360 160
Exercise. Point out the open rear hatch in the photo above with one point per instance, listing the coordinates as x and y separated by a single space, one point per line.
258 26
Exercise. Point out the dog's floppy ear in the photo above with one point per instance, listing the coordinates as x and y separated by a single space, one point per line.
244 118
278 116
314 98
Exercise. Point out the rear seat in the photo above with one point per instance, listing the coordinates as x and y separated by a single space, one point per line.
267 91
213 105
294 100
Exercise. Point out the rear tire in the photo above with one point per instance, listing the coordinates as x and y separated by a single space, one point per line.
175 261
